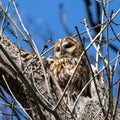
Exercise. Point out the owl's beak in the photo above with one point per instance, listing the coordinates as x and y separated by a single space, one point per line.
63 52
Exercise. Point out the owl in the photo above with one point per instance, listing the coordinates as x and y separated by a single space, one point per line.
66 54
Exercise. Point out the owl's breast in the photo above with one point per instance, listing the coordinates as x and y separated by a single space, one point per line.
63 69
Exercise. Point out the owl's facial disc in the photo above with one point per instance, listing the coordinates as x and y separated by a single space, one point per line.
65 47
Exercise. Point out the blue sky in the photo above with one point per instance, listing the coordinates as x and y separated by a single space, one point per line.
46 14
48 11
44 17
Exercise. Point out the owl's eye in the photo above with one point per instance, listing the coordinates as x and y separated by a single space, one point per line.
68 46
58 49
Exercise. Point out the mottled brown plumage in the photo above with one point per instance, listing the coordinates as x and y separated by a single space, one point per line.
66 54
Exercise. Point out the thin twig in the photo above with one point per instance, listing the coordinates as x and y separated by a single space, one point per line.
12 21
86 25
34 45
3 20
109 63
103 7
15 97
92 73
21 22
116 63
109 70
48 50
77 99
115 14
99 43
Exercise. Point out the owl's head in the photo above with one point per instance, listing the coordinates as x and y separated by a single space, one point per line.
67 47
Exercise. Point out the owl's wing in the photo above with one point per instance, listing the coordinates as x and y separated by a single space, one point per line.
81 78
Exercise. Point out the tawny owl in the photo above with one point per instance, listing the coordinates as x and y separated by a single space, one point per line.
66 54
